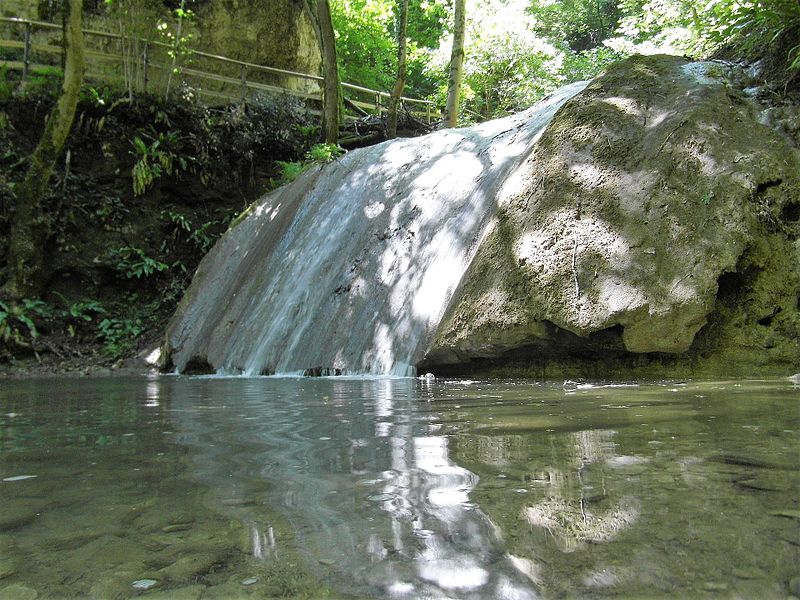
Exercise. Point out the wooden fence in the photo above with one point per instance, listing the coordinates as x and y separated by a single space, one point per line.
217 79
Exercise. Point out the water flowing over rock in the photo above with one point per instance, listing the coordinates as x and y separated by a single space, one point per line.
350 268
652 224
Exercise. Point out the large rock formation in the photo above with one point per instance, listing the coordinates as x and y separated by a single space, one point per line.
349 268
650 229
655 219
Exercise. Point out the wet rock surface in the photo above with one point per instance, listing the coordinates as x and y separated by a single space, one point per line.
349 268
655 226
649 229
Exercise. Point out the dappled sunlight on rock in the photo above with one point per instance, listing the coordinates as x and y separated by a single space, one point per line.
350 268
636 201
626 105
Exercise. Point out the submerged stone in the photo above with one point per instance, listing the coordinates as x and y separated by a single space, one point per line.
15 515
189 567
144 584
7 568
18 591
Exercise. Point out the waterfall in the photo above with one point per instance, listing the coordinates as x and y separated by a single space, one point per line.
350 268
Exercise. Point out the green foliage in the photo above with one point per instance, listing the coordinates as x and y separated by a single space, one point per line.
134 263
751 24
577 66
289 170
78 315
85 310
175 35
18 322
366 41
44 81
200 237
309 133
582 24
94 97
364 44
8 84
318 154
323 153
504 75
146 169
700 27
118 335
160 156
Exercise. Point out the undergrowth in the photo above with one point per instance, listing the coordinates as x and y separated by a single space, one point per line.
143 190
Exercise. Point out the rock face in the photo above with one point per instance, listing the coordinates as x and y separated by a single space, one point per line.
275 33
656 229
350 268
650 229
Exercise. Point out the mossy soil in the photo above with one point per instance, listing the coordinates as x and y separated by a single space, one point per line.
117 261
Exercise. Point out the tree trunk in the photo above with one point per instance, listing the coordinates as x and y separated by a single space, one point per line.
400 83
456 65
330 73
176 48
29 229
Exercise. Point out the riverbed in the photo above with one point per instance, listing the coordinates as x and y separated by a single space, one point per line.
213 487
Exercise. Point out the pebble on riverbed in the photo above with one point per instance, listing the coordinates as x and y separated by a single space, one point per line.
794 586
18 591
144 584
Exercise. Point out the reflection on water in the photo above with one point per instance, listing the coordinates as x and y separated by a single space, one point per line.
228 487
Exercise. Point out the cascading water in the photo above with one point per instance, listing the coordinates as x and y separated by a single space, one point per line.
350 268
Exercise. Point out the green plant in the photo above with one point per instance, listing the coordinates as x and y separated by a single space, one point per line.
198 236
752 24
7 84
308 132
795 64
323 153
44 81
111 210
95 97
17 322
80 313
318 154
177 40
118 335
289 170
133 262
154 159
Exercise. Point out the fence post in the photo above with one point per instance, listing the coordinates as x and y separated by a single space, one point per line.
244 83
378 103
428 112
145 62
26 53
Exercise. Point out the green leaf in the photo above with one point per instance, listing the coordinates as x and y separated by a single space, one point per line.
29 324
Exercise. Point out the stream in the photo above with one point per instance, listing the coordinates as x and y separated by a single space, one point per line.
230 487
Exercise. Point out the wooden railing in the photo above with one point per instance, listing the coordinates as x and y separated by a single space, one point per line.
216 78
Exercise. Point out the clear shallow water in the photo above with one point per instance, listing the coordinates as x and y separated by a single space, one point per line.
227 488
